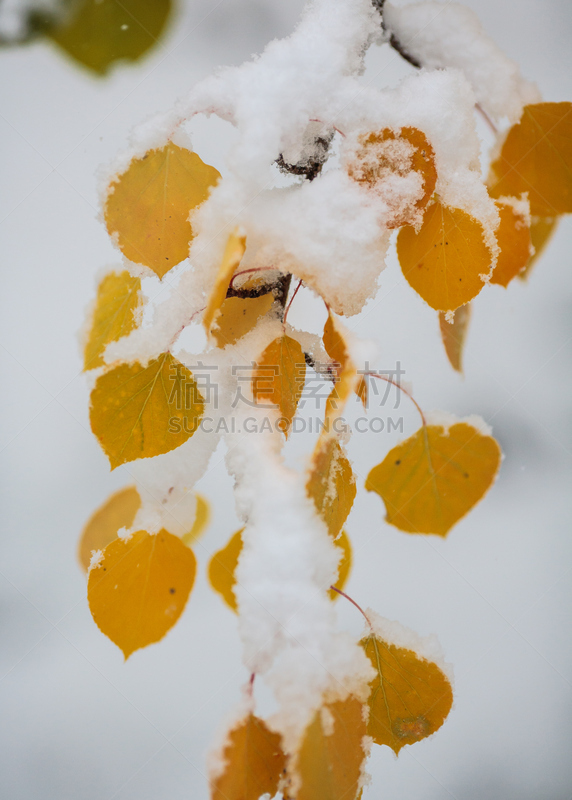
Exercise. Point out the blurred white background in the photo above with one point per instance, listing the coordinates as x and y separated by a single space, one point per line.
77 722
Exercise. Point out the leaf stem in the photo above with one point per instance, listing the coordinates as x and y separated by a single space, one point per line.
401 388
291 301
353 602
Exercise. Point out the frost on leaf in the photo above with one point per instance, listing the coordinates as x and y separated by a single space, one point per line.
345 374
232 256
254 762
148 206
202 519
140 587
117 512
384 155
222 567
444 262
541 231
117 303
238 316
431 480
410 697
140 412
454 334
279 376
331 483
536 157
513 237
97 33
329 763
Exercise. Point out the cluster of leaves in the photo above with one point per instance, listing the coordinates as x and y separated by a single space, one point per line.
98 33
139 582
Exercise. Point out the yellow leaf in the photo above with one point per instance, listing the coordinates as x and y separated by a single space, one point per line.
140 412
410 696
97 33
541 231
148 206
345 370
513 237
118 301
329 763
117 512
445 260
385 154
279 377
331 483
536 157
233 252
362 391
453 335
254 762
431 480
202 519
238 316
140 587
222 567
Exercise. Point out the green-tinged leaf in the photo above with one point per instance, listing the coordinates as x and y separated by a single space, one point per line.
140 412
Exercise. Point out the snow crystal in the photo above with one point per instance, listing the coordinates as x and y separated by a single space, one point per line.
96 559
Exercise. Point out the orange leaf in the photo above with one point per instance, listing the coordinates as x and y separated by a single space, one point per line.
331 483
238 316
431 480
279 377
139 588
410 696
232 256
222 567
513 237
536 157
254 762
202 519
362 391
117 512
118 300
147 208
444 262
329 763
140 412
541 231
454 333
345 370
387 153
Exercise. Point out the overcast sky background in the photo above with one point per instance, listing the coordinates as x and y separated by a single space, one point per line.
77 723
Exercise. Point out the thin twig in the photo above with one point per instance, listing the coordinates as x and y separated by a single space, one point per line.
359 608
401 388
291 301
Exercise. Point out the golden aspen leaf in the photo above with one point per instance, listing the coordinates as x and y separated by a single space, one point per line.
140 412
345 371
444 262
362 391
513 237
541 231
232 256
431 480
148 206
410 696
117 512
238 316
345 565
97 33
536 157
454 333
115 315
222 567
202 519
331 483
279 377
140 587
254 762
329 763
386 153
